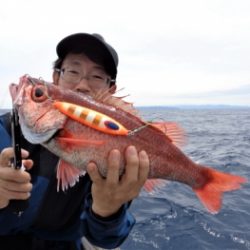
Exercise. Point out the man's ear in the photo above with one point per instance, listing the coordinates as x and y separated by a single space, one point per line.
112 89
56 77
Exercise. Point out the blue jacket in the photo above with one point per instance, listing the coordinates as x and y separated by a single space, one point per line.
60 217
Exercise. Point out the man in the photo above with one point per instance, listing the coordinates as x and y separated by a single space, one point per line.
95 207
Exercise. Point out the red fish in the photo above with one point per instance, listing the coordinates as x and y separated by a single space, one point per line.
45 120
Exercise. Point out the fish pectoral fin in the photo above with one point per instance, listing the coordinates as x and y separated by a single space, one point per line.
79 141
67 175
173 131
67 138
211 193
153 184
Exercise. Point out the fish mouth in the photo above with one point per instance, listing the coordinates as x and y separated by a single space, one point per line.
41 137
38 138
16 90
13 88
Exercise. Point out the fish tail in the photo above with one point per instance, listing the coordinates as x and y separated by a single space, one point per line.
211 193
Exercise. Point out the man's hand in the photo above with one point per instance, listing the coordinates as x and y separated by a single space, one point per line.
111 193
14 184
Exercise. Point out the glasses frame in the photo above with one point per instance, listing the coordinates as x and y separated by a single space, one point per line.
109 81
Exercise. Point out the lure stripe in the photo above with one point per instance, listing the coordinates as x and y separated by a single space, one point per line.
97 120
71 109
77 112
91 118
83 115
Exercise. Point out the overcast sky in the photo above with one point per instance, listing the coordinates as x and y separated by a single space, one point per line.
171 51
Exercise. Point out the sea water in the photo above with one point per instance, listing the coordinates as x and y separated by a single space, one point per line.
172 217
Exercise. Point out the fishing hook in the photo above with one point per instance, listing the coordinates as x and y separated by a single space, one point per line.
136 130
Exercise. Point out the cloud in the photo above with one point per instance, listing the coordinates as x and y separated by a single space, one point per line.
237 91
170 51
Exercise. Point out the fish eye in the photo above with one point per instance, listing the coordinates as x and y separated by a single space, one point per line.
39 93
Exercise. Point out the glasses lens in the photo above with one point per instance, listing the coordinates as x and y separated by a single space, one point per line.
95 79
71 75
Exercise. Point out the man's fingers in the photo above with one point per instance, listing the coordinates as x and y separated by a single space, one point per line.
18 187
13 195
113 167
11 174
28 164
8 153
144 166
5 157
93 172
132 163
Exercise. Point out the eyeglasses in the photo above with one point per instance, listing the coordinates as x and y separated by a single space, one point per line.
96 79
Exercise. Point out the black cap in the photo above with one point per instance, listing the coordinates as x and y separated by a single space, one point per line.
91 45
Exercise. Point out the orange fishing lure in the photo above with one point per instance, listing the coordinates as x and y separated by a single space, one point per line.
91 118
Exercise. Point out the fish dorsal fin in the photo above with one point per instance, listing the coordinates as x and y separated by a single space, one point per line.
67 175
103 95
108 98
173 131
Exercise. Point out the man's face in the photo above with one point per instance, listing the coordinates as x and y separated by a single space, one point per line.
80 74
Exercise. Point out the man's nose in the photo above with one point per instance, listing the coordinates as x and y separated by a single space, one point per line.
83 86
